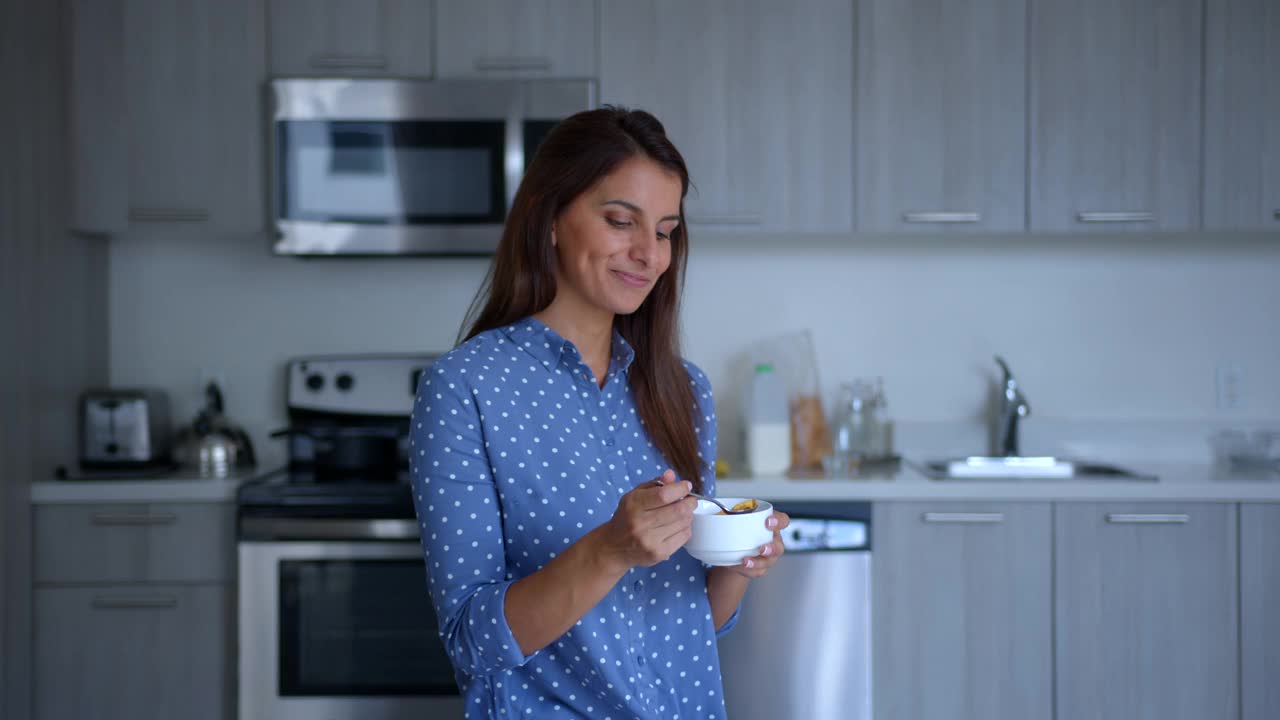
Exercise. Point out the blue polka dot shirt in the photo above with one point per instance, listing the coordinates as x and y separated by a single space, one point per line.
516 453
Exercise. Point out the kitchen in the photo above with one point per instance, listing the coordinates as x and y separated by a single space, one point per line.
1106 221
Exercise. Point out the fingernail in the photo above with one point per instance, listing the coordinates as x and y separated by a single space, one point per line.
766 550
688 486
771 523
748 562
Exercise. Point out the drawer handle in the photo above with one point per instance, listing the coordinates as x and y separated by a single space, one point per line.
133 519
1276 214
356 62
954 517
134 602
1115 217
488 64
1149 518
731 219
942 217
168 215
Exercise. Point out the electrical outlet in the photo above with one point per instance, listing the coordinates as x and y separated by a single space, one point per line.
1230 382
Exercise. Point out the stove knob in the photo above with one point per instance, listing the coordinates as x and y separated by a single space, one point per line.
315 381
344 382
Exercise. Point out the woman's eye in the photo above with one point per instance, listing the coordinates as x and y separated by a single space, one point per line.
663 236
618 223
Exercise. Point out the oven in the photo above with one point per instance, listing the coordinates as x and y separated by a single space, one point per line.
405 167
336 623
335 616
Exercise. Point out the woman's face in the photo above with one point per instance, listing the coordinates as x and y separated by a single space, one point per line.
613 241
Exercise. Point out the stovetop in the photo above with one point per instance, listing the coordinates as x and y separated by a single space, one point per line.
296 493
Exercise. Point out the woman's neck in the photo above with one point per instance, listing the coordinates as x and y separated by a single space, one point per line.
590 331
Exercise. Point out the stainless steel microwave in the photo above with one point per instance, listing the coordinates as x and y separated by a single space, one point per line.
405 167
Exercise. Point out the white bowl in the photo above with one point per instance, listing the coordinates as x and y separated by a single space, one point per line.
728 539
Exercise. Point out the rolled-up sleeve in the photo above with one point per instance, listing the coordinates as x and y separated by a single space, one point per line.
705 426
461 522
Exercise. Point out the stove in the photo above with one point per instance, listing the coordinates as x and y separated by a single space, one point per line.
335 617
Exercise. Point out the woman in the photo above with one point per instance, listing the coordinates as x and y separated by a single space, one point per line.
553 451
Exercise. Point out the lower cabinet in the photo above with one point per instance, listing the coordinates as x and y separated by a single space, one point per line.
1146 616
961 610
133 652
1259 601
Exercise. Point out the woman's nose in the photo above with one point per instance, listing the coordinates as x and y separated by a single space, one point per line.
644 248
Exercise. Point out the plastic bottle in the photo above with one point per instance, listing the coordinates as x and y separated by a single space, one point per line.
768 427
882 445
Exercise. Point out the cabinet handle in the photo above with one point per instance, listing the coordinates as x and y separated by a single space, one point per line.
942 217
1276 214
1149 518
743 219
959 517
358 62
133 519
489 64
1115 217
134 602
168 215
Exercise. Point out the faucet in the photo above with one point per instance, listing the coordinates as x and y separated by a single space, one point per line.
1012 405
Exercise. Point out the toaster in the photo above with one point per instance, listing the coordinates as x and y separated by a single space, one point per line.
124 428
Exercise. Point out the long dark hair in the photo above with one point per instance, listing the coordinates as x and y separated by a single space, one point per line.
575 155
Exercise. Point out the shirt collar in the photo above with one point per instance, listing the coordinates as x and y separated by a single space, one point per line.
550 349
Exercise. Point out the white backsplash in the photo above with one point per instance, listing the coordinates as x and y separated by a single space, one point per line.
1101 331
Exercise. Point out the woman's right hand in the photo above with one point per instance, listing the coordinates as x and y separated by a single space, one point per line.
652 522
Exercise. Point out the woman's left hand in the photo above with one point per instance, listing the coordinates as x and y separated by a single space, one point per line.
754 567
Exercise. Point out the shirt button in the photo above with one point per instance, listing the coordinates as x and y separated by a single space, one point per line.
637 586
640 660
608 442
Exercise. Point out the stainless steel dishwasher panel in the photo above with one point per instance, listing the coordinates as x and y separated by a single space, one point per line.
802 645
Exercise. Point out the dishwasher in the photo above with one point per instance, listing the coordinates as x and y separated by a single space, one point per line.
802 645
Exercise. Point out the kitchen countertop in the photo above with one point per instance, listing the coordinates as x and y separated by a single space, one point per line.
1186 482
180 487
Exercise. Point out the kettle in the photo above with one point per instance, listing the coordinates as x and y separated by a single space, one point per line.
212 444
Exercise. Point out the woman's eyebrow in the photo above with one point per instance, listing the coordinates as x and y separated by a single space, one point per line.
636 209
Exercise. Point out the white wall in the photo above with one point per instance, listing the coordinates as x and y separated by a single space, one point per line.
1114 328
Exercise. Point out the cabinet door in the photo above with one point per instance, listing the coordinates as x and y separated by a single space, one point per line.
961 611
133 653
98 130
105 543
1259 623
350 38
194 73
941 115
1146 611
516 38
1242 115
757 96
1115 114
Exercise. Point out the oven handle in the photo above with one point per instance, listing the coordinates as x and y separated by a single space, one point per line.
252 528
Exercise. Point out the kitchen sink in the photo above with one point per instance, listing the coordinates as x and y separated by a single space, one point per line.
1027 468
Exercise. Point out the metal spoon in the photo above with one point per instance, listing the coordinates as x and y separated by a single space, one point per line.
728 511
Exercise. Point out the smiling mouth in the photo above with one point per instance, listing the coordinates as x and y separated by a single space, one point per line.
631 280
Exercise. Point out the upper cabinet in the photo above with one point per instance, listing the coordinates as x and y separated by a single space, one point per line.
1242 115
351 38
941 116
1115 114
164 121
758 97
515 38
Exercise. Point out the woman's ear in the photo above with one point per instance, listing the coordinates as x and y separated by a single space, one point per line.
553 235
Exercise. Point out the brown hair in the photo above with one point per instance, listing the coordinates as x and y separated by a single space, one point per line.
575 155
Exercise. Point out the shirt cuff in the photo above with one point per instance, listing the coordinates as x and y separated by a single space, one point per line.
728 625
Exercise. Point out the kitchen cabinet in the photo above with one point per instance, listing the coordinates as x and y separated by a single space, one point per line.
941 116
134 610
515 38
165 122
1115 115
1259 598
1146 611
962 611
351 38
123 652
1242 115
194 72
756 95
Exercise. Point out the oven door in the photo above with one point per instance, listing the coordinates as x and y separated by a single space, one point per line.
392 167
340 630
